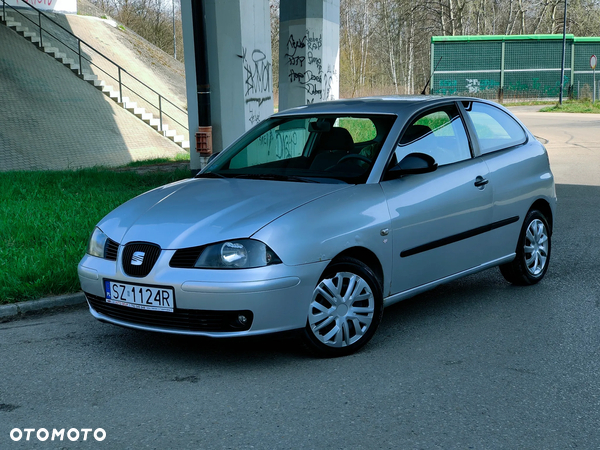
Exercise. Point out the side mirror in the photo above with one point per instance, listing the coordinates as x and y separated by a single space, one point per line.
412 164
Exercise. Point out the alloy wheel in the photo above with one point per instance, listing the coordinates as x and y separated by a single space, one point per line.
536 247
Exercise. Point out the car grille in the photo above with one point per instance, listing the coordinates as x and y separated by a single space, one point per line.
185 258
149 252
111 249
179 319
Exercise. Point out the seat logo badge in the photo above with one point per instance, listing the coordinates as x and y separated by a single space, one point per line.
137 259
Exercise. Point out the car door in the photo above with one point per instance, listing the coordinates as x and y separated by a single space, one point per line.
517 168
438 218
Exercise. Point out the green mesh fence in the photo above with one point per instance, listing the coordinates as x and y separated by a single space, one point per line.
512 67
583 76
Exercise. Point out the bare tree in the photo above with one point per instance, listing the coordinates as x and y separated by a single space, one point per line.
385 44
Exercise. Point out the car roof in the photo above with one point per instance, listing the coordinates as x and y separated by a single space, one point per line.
392 104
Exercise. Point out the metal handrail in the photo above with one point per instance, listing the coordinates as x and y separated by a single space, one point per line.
120 69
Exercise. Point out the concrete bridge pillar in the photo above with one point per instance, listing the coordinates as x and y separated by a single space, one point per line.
237 38
309 42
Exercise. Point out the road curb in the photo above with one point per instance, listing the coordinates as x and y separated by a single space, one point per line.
19 309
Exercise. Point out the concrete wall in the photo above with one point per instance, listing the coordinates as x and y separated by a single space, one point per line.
190 74
257 61
240 68
309 52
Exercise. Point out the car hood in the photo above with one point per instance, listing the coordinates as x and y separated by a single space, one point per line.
201 211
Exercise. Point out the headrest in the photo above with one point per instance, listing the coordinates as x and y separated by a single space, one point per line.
336 139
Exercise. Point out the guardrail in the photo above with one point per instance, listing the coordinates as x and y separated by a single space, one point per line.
118 73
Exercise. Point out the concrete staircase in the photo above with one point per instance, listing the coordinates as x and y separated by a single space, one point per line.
109 91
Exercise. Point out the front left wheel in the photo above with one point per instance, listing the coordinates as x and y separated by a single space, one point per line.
345 310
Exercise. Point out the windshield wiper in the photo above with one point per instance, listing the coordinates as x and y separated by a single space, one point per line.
275 177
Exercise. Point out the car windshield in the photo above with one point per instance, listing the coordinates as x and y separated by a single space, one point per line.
318 149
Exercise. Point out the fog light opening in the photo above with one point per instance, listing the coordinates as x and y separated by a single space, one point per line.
240 320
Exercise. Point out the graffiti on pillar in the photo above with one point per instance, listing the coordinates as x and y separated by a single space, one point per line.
308 80
253 113
304 58
258 73
313 60
327 83
280 144
257 83
313 42
292 47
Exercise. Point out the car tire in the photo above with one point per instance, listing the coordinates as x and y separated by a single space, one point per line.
533 252
345 310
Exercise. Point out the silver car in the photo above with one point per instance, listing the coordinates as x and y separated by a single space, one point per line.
322 215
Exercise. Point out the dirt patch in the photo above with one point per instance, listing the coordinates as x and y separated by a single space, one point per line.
161 167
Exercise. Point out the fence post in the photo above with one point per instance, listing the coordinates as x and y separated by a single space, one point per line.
160 112
120 86
431 65
501 90
572 83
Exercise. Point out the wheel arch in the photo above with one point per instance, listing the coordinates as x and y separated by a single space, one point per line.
544 207
367 257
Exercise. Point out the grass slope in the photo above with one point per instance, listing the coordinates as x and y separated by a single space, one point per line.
47 218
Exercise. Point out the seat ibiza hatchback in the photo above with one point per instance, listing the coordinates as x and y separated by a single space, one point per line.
320 216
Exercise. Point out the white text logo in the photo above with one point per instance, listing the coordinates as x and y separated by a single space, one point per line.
42 434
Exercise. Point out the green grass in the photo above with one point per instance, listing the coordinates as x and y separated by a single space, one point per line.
361 130
575 106
47 218
527 103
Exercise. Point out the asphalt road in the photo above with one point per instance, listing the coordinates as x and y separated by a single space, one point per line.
476 364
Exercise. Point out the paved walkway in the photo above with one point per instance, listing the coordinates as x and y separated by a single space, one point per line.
51 120
572 141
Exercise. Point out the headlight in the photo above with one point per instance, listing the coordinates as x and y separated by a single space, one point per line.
97 243
238 254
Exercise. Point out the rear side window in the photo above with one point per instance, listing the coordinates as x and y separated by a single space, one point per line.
495 129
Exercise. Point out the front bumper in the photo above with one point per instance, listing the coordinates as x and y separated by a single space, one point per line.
208 302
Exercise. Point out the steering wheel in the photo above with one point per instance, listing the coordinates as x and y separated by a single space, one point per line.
349 157
355 156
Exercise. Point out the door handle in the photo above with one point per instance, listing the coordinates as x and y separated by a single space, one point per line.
480 182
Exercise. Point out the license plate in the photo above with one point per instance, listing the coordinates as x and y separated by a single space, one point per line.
140 297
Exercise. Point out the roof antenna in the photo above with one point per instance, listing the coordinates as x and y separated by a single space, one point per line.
425 88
